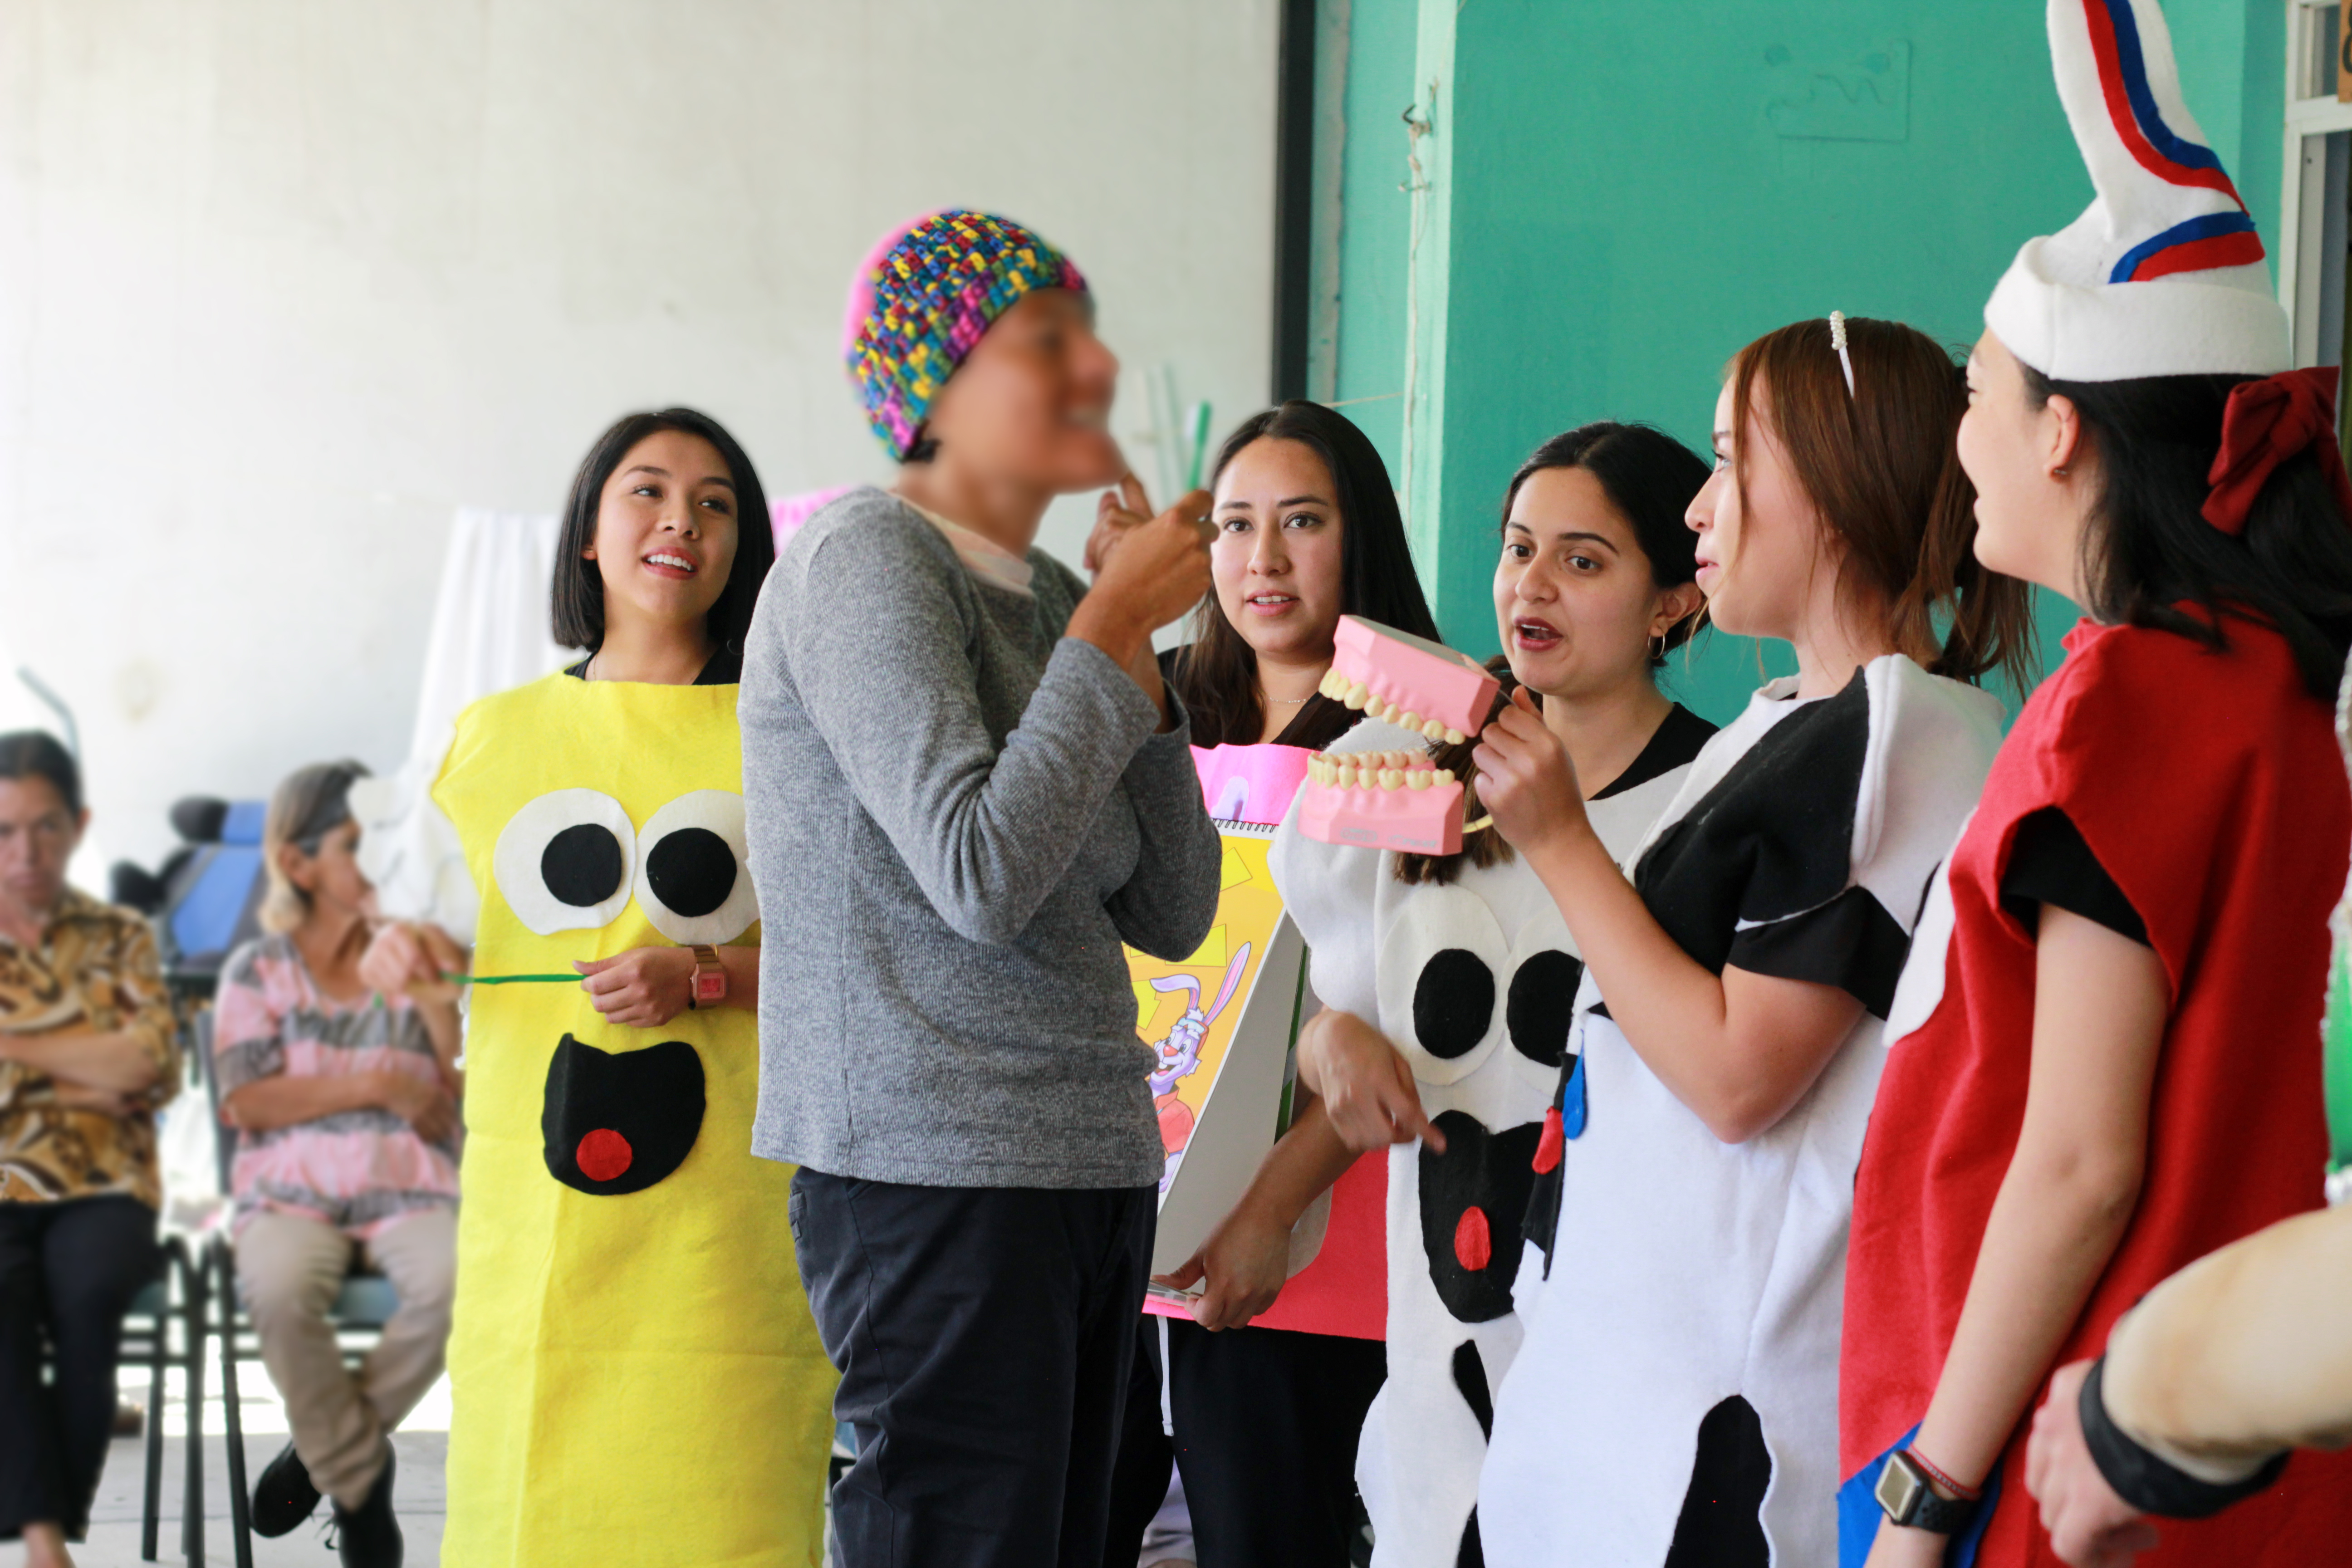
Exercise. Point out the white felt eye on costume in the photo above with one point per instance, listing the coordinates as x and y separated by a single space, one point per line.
694 876
1443 963
564 861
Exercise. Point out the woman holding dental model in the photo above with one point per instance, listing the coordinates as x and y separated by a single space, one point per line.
1447 979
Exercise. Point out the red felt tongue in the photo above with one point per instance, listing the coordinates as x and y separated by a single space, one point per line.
604 1155
1551 1145
1473 1244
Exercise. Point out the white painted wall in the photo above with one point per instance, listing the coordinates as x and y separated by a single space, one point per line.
284 282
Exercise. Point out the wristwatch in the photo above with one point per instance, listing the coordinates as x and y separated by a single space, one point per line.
710 986
1903 1492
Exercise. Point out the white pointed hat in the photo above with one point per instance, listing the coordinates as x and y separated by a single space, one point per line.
2163 273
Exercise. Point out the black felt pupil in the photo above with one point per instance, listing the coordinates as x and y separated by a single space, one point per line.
1453 1003
1541 1005
691 870
582 865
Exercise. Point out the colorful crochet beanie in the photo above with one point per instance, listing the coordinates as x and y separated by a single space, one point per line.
923 299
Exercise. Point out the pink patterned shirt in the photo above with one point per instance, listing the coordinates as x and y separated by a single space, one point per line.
359 1171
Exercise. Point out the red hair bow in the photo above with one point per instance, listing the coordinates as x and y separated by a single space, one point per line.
2265 422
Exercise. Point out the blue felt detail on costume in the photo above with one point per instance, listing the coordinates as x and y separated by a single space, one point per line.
1859 1514
1571 1102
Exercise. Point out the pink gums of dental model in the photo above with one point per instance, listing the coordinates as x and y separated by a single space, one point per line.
1410 682
1381 800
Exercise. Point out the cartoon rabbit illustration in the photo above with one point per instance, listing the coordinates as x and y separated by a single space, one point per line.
1177 1054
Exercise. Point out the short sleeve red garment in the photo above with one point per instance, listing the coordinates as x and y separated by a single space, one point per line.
2209 787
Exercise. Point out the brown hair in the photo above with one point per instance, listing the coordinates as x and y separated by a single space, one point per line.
311 802
1880 466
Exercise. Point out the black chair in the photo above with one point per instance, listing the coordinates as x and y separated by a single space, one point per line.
174 1300
366 1303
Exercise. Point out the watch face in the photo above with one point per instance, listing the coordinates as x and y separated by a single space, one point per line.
710 986
1898 1489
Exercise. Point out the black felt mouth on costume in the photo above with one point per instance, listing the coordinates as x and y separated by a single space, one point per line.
617 1122
1474 1198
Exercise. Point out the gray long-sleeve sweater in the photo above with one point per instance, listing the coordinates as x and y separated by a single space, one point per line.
956 815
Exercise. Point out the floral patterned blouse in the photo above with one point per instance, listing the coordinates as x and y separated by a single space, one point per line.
95 968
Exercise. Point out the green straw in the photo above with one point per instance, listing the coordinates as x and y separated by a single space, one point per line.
1199 443
456 979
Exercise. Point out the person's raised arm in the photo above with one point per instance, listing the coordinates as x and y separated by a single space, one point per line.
2099 1007
876 643
1740 1049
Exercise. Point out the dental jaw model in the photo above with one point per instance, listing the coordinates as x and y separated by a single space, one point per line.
1409 682
1395 800
1381 800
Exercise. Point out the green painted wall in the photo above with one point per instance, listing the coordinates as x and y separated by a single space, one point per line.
1375 235
1632 189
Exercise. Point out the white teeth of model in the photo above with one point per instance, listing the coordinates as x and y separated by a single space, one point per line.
1435 731
1441 775
1454 737
1375 706
1417 778
1332 684
1357 695
1406 719
1391 778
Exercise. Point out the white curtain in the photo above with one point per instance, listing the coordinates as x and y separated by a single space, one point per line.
489 633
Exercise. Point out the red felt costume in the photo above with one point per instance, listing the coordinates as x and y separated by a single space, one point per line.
2209 788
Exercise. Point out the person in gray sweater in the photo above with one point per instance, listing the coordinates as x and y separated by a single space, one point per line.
966 784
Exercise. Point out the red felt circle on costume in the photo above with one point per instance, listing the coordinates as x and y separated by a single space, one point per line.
604 1155
1474 1242
1553 1143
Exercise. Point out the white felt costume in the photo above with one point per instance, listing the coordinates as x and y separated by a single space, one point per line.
1474 982
1677 1385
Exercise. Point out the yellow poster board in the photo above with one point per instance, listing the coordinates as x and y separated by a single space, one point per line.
1220 1024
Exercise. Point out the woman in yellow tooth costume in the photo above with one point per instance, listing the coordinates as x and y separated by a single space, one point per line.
634 1373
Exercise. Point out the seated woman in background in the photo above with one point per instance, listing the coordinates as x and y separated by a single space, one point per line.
345 1102
1264 1420
87 1053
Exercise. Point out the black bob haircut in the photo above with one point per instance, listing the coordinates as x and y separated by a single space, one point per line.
38 754
579 588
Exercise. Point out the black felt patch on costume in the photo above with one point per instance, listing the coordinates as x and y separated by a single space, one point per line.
1772 838
582 866
1470 1377
691 870
1453 1003
1850 942
1722 1523
1473 1553
1490 1172
651 1100
1542 1005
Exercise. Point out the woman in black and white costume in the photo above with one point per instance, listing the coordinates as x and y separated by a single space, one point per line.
1466 966
1675 1400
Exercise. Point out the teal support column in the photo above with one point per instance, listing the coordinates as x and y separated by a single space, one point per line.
1429 263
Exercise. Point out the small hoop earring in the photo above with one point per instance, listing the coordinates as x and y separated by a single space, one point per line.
2059 471
1658 648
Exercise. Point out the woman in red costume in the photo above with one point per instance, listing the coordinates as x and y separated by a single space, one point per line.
2104 1052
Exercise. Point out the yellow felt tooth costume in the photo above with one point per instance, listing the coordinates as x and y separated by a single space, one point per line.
634 1373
